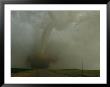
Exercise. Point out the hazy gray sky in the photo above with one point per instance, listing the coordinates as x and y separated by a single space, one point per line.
70 36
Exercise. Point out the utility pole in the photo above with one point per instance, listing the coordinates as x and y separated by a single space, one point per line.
82 66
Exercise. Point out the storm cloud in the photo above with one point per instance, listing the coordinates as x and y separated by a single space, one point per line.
68 36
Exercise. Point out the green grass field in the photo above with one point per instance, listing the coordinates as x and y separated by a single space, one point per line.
54 73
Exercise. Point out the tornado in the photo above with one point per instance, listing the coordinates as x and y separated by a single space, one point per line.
42 58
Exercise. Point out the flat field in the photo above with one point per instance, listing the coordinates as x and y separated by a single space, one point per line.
17 72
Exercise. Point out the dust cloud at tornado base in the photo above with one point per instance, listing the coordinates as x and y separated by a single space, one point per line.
69 36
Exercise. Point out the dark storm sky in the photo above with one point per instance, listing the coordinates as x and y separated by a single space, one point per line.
73 36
